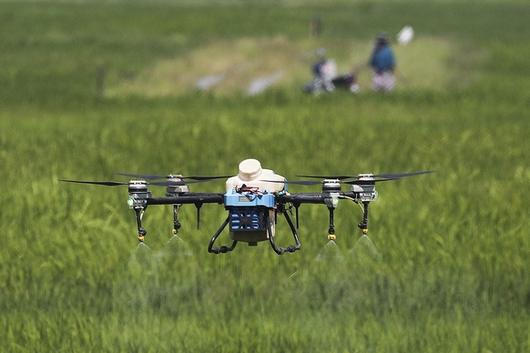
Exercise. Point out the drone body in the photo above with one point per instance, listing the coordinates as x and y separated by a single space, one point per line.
251 202
254 198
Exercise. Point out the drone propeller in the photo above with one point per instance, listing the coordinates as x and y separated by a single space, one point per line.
176 182
382 175
141 176
339 177
294 182
120 183
365 181
193 177
103 183
402 175
207 177
314 182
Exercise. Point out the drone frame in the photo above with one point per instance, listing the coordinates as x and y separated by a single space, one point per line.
140 199
265 212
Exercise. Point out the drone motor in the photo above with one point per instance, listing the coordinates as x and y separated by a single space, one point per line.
331 185
364 189
175 185
138 194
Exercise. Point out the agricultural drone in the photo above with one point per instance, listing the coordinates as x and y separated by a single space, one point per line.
254 198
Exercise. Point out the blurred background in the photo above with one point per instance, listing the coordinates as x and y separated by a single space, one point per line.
91 88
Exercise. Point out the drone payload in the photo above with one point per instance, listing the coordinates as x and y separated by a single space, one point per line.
253 199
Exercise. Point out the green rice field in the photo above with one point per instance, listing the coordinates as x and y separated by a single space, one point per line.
88 89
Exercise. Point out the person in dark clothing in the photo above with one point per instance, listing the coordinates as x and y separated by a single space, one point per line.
383 64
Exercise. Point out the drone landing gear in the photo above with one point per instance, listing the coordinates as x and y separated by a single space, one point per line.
291 248
139 211
223 248
269 221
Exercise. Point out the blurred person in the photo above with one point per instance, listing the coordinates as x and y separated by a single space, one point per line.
324 71
383 64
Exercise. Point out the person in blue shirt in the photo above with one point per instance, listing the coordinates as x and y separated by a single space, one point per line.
383 64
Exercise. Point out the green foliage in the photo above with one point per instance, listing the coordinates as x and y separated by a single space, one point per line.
445 268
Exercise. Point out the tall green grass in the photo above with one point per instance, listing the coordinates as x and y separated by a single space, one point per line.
450 269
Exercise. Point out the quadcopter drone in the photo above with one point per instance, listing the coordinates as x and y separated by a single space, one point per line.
254 198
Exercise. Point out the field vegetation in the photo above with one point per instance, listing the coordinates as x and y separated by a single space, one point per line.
237 63
446 267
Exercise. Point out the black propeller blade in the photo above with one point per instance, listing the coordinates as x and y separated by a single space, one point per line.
207 177
351 180
119 183
295 182
388 176
142 176
402 175
176 183
104 183
328 176
314 182
193 177
366 181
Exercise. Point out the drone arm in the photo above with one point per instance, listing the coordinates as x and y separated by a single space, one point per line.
189 198
313 198
325 198
300 198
